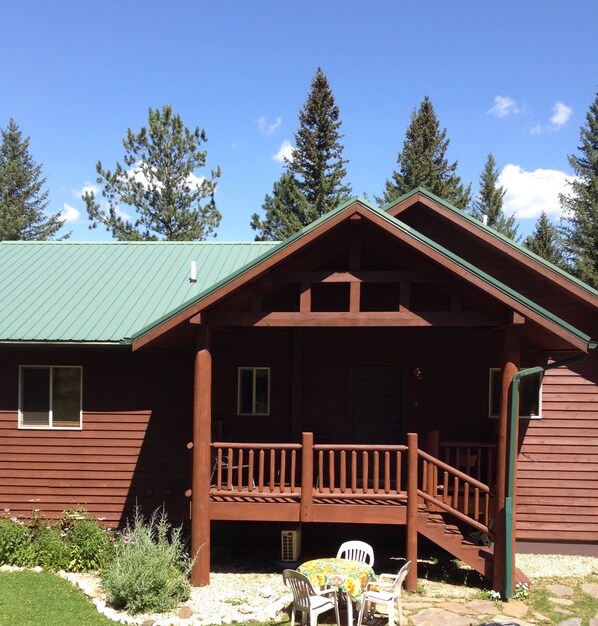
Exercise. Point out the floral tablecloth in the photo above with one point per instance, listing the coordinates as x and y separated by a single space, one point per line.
351 577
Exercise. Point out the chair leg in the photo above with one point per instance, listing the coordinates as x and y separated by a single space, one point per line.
400 610
361 610
391 613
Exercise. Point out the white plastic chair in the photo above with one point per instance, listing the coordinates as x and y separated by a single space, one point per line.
387 598
307 600
356 551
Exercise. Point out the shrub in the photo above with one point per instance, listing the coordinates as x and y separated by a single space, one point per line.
150 568
49 550
15 543
89 546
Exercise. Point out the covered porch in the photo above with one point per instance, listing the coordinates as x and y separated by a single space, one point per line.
366 335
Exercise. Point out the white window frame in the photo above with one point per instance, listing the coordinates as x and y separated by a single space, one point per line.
492 371
50 425
254 397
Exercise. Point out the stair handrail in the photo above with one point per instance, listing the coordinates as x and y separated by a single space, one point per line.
429 492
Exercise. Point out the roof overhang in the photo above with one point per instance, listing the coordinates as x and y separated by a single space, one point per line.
458 267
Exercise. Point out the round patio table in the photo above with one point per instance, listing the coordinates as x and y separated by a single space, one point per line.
350 577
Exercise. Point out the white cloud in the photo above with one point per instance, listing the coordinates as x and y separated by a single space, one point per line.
87 187
269 129
561 114
69 213
530 193
285 152
504 106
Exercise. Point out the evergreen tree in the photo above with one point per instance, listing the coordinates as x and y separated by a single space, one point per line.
316 170
546 242
22 201
287 211
580 205
159 182
489 202
422 162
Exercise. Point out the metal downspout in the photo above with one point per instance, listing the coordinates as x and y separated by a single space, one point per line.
512 455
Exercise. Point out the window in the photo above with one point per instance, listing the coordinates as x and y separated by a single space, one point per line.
254 391
50 396
530 395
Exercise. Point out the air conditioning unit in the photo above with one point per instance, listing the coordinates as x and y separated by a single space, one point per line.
290 544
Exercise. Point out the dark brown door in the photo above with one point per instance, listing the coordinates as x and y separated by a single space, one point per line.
376 404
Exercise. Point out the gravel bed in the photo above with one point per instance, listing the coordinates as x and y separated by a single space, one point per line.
549 565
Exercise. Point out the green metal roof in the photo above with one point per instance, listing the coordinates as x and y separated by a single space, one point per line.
105 292
116 292
494 233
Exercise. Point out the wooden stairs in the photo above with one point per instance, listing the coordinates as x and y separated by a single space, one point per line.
439 528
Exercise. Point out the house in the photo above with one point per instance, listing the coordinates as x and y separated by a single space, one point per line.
404 365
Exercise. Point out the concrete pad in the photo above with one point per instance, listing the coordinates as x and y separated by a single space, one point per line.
572 621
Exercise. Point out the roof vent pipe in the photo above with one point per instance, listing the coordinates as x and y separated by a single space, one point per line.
485 220
193 274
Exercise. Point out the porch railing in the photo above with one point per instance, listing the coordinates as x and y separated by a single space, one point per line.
354 470
256 468
307 472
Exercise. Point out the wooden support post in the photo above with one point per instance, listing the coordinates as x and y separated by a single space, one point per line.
296 382
307 477
200 502
510 367
412 498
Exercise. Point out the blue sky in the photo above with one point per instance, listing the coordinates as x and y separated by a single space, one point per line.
515 78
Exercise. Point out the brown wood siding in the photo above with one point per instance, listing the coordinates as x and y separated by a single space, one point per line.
557 486
136 422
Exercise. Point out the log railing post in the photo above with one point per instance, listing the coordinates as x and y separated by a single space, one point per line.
510 366
200 501
412 480
307 477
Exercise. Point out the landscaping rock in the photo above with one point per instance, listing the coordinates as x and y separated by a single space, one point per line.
185 612
562 591
591 589
561 601
439 617
483 607
514 608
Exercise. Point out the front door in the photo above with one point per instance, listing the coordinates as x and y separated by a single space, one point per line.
376 404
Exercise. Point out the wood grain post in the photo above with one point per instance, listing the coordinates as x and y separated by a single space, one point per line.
432 447
510 367
307 477
200 502
411 549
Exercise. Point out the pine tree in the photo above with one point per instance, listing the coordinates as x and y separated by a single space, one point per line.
317 169
287 211
489 202
422 162
580 205
22 201
546 242
159 183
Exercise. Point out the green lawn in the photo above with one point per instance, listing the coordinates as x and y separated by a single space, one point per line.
27 598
